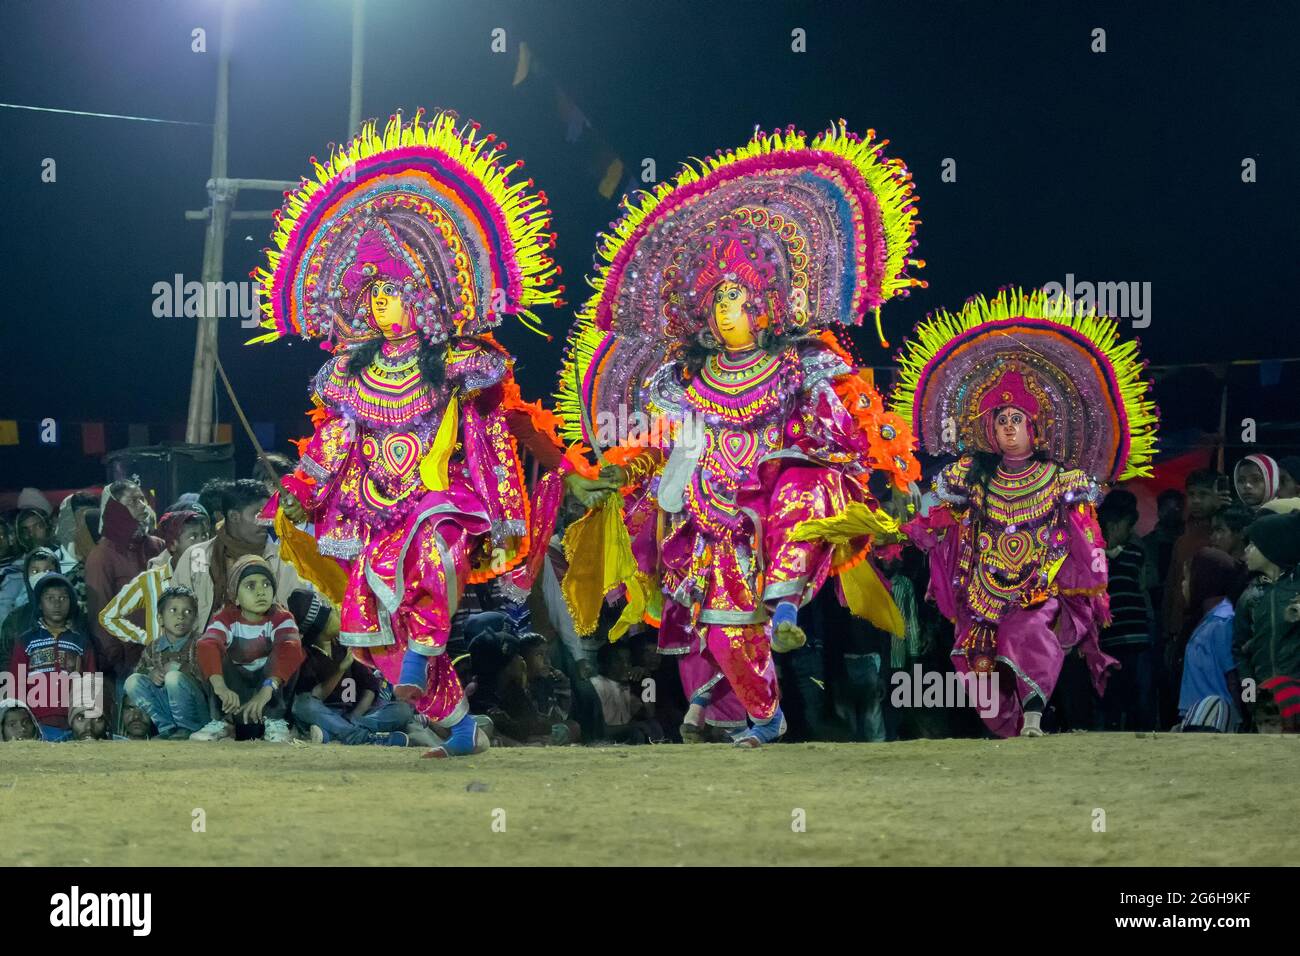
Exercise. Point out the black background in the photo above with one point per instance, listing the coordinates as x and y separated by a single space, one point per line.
1120 166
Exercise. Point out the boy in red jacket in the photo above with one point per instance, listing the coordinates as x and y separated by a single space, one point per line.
248 653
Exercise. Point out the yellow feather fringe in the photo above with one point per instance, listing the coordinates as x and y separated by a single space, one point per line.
942 327
888 179
469 148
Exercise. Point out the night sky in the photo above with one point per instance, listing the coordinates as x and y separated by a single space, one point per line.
1116 166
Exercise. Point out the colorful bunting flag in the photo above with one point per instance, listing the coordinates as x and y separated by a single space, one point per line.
92 438
265 432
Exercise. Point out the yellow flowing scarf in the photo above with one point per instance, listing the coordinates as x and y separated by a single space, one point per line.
599 552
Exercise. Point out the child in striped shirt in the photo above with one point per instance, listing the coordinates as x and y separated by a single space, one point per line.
249 652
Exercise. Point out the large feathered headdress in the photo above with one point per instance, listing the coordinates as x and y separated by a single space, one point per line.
1064 366
425 206
820 228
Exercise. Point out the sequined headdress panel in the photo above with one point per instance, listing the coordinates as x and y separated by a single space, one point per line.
1085 391
427 205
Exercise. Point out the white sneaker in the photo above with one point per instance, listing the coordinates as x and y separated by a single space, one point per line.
277 731
213 730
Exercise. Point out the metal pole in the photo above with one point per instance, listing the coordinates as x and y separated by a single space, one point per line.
198 426
358 61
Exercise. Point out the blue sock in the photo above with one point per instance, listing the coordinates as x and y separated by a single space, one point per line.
767 732
461 741
787 612
415 669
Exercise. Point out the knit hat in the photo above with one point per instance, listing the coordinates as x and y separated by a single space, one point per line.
172 523
247 565
1277 537
32 498
1267 467
46 580
310 611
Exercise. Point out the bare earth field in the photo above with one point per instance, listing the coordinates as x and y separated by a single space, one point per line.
1168 800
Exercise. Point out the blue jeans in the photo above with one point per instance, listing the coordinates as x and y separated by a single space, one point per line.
385 716
179 702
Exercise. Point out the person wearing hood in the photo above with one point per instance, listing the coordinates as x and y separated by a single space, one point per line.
1266 632
123 551
38 563
1256 479
31 498
17 722
32 531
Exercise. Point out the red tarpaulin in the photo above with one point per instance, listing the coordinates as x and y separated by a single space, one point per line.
1168 473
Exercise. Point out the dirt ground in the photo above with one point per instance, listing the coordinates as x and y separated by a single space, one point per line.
1167 799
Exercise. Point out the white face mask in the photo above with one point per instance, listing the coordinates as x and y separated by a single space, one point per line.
36 576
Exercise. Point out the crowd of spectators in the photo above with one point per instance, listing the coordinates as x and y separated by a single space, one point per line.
198 630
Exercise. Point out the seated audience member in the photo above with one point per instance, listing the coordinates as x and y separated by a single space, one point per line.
87 723
249 652
17 723
39 561
124 550
1129 702
168 684
501 691
1208 667
1255 479
628 718
665 683
135 723
32 532
1266 633
8 546
550 691
54 645
132 616
337 698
